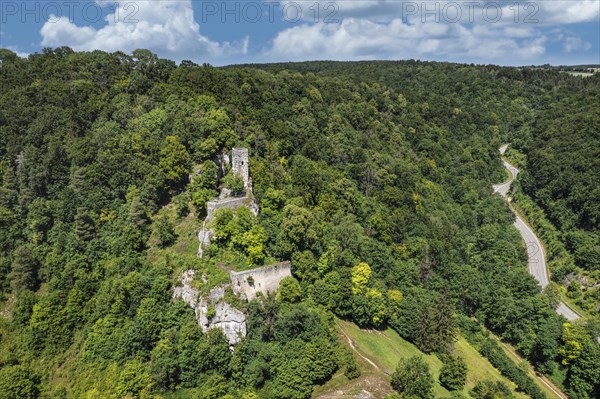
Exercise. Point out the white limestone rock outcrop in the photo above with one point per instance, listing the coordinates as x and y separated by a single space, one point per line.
204 237
185 291
229 319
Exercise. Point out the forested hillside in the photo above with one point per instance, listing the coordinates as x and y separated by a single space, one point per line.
559 189
373 179
563 164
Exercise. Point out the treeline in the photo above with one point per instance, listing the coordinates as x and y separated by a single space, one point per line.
377 188
491 349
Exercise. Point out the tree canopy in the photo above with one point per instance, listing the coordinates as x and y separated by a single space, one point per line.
372 178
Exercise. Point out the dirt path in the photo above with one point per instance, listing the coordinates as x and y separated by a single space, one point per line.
539 377
351 343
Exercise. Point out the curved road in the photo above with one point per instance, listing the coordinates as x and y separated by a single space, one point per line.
535 251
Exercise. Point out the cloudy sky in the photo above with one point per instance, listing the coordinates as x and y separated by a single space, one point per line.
219 32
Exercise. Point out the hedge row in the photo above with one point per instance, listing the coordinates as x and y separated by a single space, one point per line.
490 348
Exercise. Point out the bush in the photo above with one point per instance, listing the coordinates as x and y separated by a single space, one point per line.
351 372
17 382
413 379
164 230
235 183
211 312
491 390
453 374
289 290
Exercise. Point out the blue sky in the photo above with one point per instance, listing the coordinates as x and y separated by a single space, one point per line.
514 32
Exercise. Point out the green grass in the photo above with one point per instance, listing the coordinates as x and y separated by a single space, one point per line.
386 348
183 254
581 74
187 236
479 368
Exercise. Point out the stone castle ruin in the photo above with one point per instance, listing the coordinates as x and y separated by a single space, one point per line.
247 284
229 319
263 279
239 166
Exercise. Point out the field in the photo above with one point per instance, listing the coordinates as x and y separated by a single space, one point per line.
581 74
378 352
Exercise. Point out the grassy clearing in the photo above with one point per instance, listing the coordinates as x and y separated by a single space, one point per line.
182 255
386 348
580 74
187 236
479 368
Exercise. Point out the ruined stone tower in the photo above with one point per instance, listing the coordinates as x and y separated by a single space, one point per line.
239 164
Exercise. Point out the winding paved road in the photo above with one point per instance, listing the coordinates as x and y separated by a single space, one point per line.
535 251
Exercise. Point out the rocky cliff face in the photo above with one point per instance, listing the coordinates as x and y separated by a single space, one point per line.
227 318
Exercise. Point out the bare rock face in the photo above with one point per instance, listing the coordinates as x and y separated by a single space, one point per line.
253 206
204 237
365 395
226 317
186 292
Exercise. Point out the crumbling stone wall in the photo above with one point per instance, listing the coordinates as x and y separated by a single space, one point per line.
232 203
205 234
239 164
263 279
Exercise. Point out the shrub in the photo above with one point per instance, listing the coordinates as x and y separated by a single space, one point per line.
453 374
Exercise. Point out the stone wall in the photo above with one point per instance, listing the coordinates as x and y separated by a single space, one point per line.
264 279
239 163
231 203
205 234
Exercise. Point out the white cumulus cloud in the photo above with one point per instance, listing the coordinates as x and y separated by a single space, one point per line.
356 38
19 53
544 12
166 27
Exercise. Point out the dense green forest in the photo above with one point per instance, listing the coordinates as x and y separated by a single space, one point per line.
373 178
558 190
563 164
